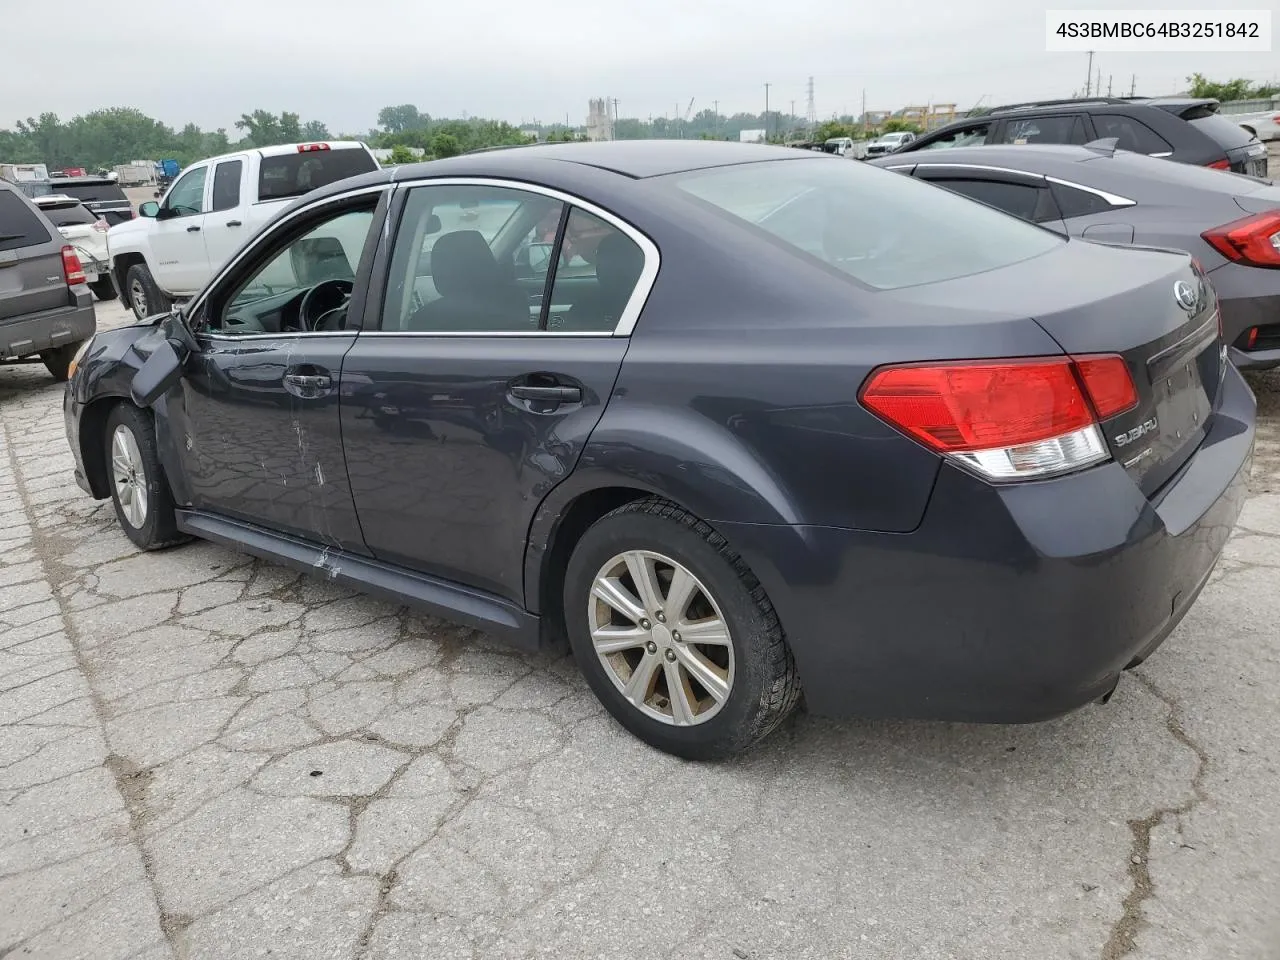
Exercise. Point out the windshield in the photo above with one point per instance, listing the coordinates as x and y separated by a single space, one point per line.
881 229
293 174
1218 128
66 214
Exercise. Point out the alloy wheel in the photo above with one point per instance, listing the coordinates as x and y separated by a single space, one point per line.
661 638
129 476
138 294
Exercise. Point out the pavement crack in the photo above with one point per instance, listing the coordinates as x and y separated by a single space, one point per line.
1124 933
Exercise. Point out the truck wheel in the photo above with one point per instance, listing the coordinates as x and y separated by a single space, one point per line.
144 296
58 360
103 289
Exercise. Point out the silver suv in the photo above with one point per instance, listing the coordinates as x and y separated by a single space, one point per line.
46 310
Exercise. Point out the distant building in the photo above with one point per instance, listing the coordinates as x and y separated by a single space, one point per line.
599 119
751 136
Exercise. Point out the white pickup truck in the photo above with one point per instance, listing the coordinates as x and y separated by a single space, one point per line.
212 208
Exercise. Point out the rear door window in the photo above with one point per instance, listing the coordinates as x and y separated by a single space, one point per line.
20 226
1131 134
1074 202
293 174
1020 199
880 229
1062 129
226 185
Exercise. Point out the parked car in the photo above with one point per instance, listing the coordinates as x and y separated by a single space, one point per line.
101 195
1230 223
212 208
46 310
87 234
1265 126
1183 129
890 142
804 423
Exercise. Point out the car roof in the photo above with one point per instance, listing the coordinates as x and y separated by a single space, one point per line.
993 156
290 148
1093 103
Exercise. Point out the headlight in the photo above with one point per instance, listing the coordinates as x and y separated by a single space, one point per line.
75 361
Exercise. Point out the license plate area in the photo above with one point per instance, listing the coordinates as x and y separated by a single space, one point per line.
1182 406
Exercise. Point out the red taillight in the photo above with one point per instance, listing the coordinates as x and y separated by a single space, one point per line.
1007 419
310 147
1107 381
1220 165
71 268
1252 340
1254 240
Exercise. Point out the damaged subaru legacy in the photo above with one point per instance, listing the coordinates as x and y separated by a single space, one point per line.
735 422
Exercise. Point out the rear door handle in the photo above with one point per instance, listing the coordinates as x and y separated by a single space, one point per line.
233 223
553 394
193 229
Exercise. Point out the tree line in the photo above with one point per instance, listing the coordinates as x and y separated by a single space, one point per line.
103 138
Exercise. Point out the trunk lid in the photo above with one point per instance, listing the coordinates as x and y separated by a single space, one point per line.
1159 312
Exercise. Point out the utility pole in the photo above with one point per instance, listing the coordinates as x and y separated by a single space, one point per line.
864 110
716 105
1088 83
811 112
1108 85
766 111
1133 85
615 119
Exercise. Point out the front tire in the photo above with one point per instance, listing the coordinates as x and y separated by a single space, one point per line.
675 635
139 489
145 298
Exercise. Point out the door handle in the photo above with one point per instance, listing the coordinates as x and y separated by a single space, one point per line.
233 223
193 229
553 394
307 386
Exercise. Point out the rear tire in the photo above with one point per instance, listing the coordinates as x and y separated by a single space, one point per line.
58 360
104 289
145 298
699 667
139 488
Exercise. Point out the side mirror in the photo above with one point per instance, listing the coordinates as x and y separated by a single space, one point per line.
161 371
149 209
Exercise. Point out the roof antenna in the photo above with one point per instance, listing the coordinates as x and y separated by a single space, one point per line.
1105 145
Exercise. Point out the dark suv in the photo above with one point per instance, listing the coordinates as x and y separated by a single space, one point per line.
102 196
1185 129
46 309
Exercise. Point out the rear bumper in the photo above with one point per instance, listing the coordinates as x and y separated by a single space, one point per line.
1009 603
29 335
1241 314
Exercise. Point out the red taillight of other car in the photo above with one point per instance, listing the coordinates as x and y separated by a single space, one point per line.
1006 419
1219 165
1253 241
71 268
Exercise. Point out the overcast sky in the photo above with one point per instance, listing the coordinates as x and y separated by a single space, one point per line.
341 60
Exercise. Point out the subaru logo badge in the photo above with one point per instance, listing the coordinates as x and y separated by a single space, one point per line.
1186 295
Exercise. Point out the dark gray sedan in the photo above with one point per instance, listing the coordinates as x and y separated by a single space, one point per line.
1229 222
738 421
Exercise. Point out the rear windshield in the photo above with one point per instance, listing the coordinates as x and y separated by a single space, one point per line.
90 192
880 228
20 226
1218 128
67 215
293 174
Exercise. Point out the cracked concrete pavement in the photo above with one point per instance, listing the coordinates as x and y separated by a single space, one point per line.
208 756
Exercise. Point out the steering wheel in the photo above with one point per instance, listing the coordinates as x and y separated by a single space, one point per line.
324 304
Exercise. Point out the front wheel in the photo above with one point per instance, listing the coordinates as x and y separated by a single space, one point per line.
674 633
145 298
139 489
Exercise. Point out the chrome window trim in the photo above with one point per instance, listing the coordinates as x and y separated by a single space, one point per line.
639 295
1112 198
274 228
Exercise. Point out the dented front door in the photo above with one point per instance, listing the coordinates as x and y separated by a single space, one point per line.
262 437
